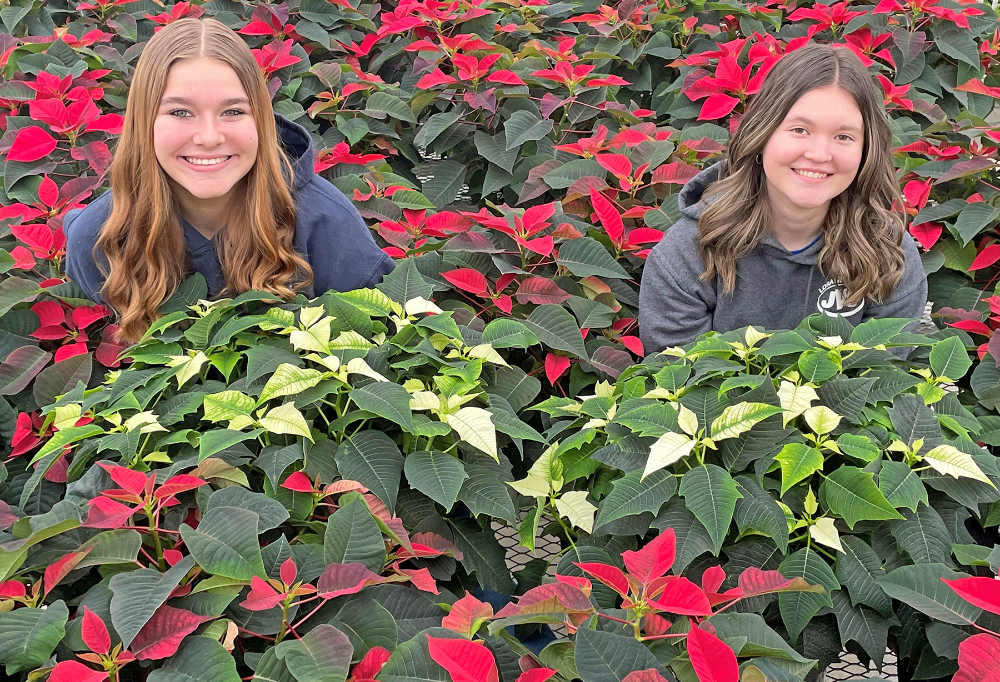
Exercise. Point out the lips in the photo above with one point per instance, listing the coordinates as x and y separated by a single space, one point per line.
207 167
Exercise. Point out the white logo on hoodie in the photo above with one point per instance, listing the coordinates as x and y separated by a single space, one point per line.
832 300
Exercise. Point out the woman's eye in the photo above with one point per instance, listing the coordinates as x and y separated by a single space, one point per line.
798 130
177 112
235 112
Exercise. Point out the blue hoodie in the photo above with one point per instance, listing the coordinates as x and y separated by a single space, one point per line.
329 233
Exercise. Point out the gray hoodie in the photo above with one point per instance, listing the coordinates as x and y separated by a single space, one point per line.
775 288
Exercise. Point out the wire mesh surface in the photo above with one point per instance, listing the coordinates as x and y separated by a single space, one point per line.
547 546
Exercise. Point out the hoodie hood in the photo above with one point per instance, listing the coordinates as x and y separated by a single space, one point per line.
692 202
298 145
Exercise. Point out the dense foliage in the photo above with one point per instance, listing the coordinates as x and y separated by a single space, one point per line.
370 443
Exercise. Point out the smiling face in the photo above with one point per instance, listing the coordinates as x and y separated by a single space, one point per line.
204 134
813 155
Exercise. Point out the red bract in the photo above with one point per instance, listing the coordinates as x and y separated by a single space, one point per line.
31 144
730 85
825 16
102 5
178 10
468 279
981 592
81 116
711 658
555 367
340 579
369 666
978 659
275 56
342 154
465 661
861 43
930 7
654 560
893 94
162 634
28 433
927 233
136 488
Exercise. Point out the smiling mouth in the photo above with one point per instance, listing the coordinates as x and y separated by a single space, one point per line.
810 174
206 162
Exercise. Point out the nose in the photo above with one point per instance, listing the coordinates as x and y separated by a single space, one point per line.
818 150
208 132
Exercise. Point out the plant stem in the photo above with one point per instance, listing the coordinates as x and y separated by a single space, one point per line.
155 537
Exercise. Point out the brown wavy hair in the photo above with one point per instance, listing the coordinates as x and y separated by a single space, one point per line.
862 230
143 235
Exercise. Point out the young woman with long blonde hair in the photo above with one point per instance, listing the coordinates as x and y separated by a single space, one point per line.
206 177
800 217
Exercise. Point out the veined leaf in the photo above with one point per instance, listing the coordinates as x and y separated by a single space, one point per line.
227 405
29 636
795 399
798 461
852 494
575 507
949 359
923 588
286 419
669 448
739 418
949 460
475 426
710 493
289 380
635 494
225 543
437 475
798 608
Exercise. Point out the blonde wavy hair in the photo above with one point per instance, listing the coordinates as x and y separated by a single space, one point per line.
862 230
143 235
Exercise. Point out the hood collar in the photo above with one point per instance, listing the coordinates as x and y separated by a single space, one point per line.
297 143
696 196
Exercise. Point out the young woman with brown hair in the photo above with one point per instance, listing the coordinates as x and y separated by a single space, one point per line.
206 178
798 217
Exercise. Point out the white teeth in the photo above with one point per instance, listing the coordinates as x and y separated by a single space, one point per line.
206 162
809 174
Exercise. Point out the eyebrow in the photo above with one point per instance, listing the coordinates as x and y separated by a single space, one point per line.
225 102
807 121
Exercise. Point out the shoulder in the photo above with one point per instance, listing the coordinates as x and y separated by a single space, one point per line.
678 252
913 273
335 240
84 224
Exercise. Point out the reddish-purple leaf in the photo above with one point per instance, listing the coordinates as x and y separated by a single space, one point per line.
982 592
549 598
650 675
711 658
653 560
94 632
754 581
683 597
288 571
676 173
978 658
466 615
465 661
55 572
341 579
162 634
539 290
609 575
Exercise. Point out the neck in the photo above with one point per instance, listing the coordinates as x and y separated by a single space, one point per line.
796 227
207 216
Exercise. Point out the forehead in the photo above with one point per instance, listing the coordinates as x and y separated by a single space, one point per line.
203 80
828 107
